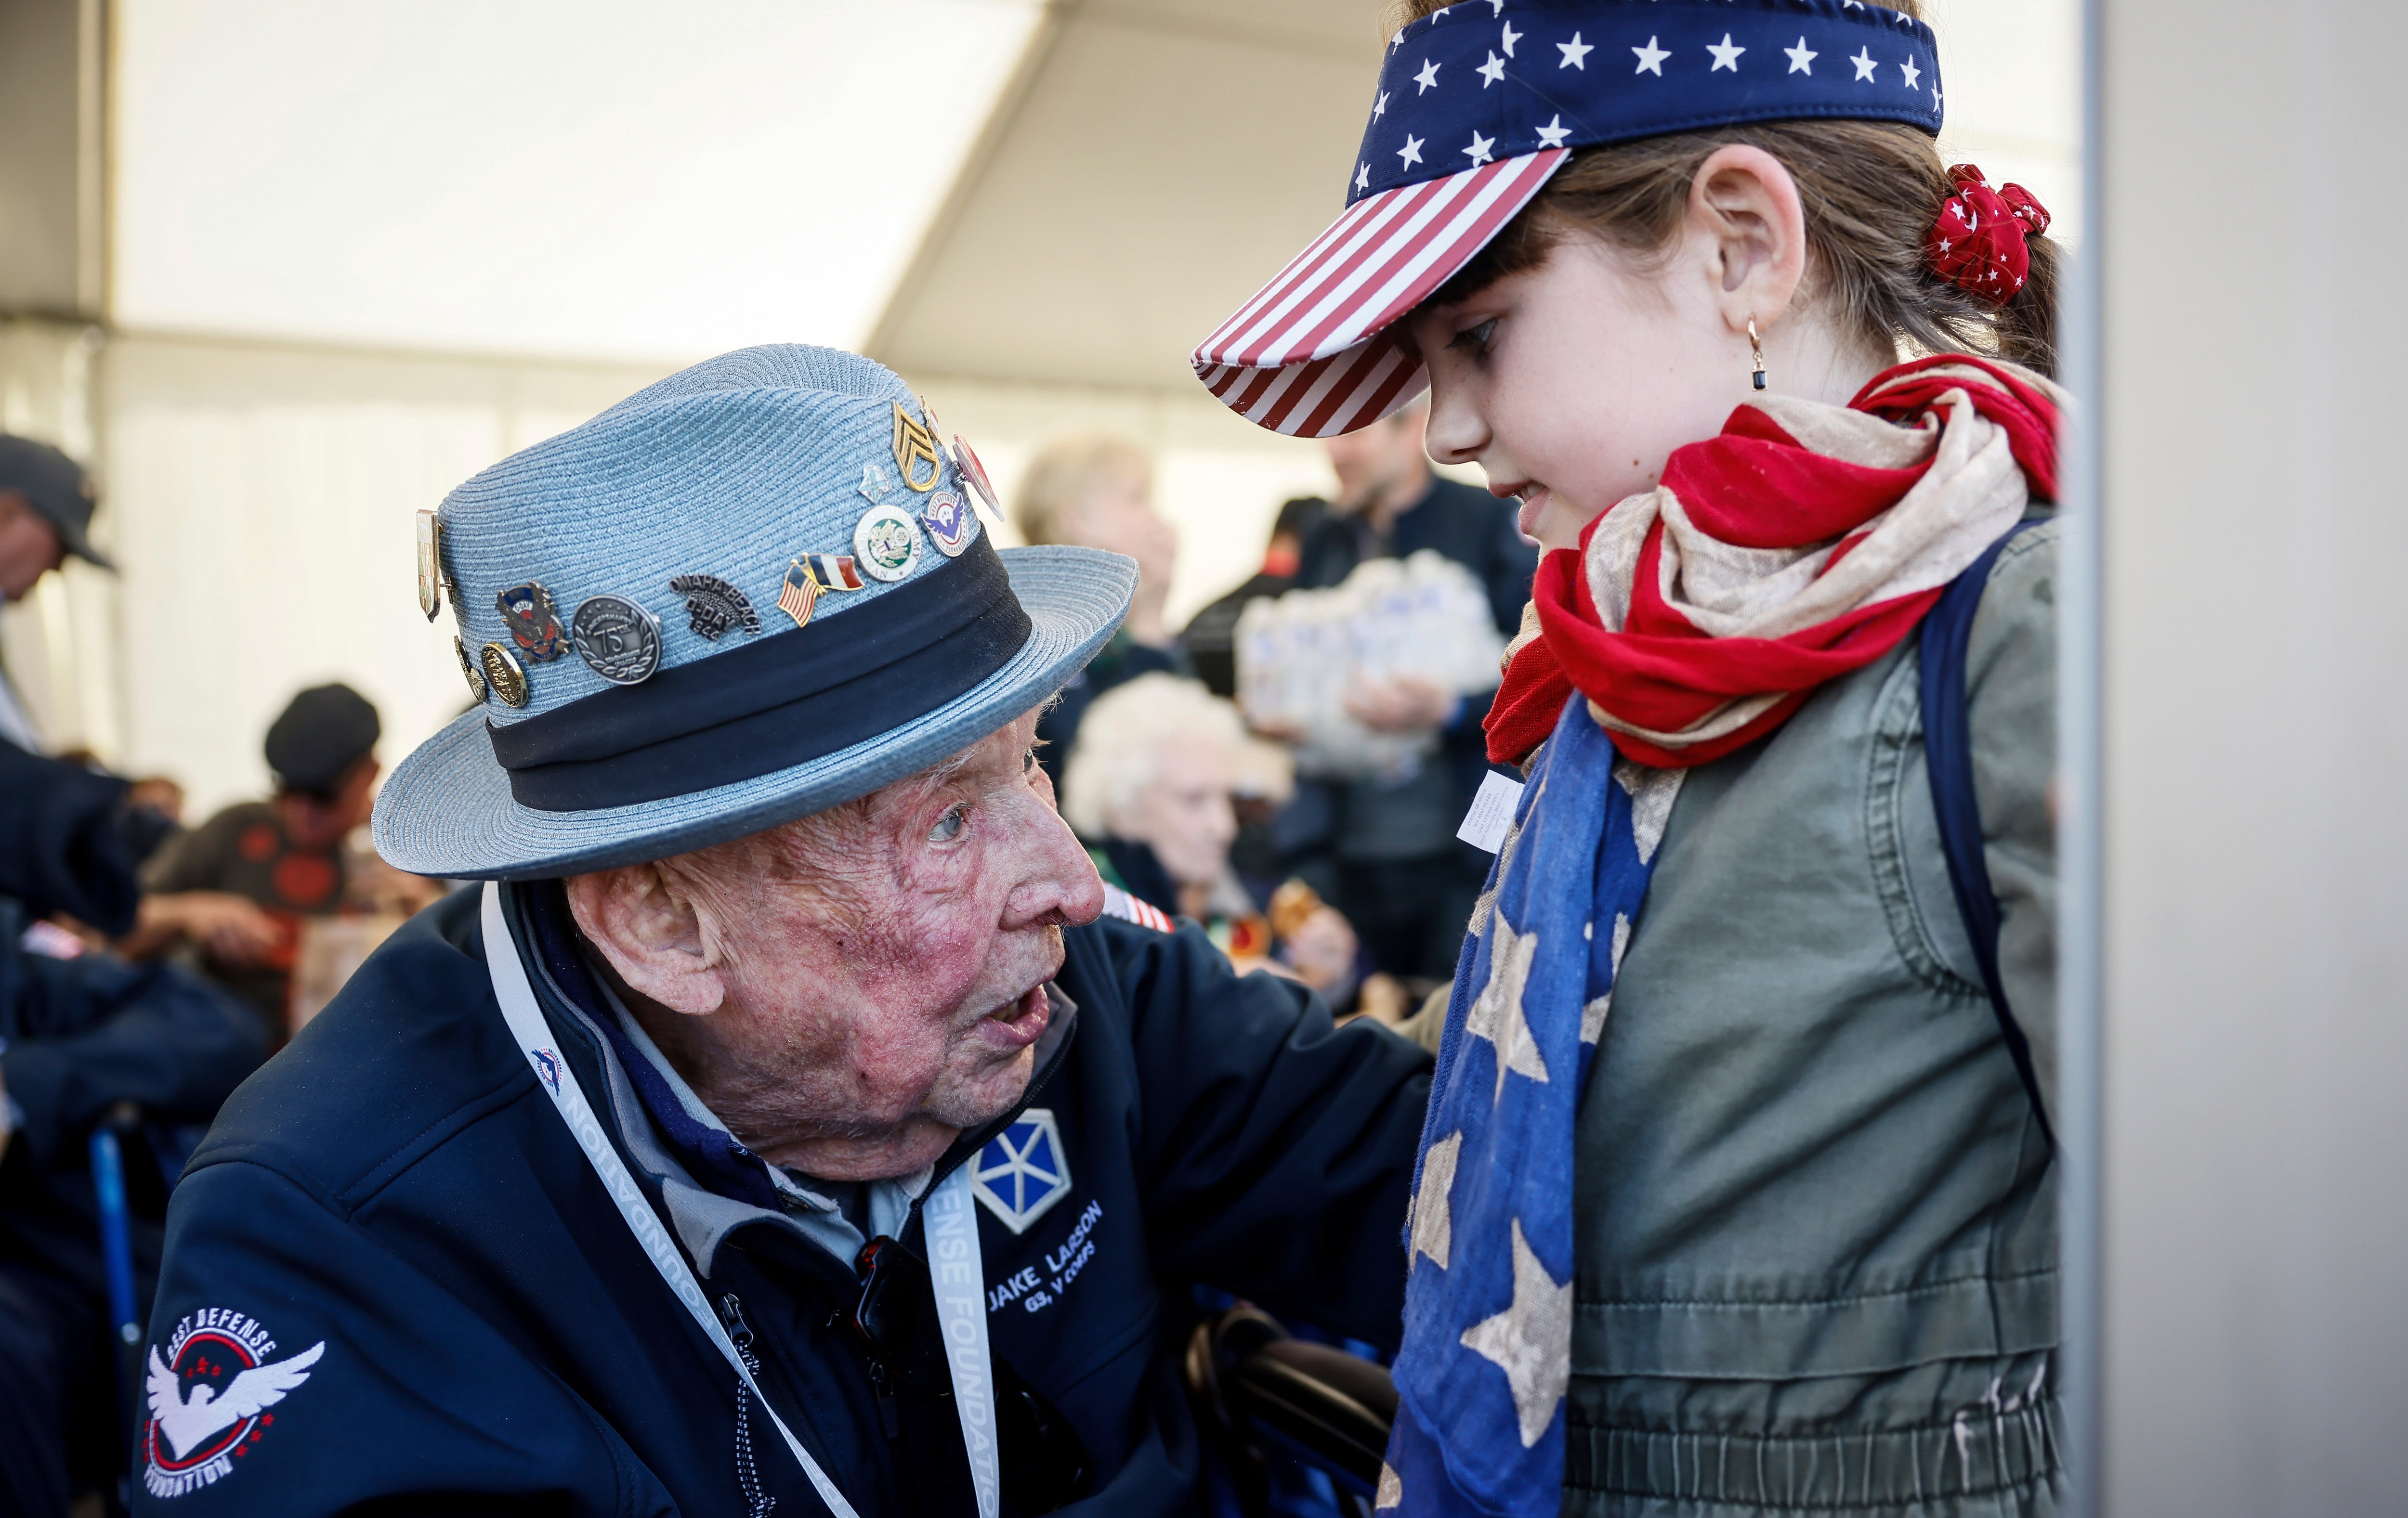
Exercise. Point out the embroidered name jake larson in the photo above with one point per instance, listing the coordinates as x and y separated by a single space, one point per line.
208 1395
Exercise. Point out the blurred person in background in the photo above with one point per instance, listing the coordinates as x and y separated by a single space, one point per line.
1099 493
81 1033
235 887
1152 789
46 502
1385 850
1210 638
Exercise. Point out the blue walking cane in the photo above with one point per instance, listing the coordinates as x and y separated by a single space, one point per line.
116 1260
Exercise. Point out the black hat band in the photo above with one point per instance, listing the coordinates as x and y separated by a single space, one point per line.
776 701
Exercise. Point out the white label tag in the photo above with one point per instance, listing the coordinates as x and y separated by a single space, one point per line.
1492 813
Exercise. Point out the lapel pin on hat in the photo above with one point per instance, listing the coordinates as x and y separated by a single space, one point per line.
914 445
973 474
618 640
430 564
950 524
503 674
873 486
812 576
713 605
468 670
886 541
534 622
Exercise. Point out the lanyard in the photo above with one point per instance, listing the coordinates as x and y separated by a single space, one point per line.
959 1278
511 988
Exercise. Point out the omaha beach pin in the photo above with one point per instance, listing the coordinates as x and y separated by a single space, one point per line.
430 566
468 670
503 674
713 605
534 622
885 541
951 524
618 640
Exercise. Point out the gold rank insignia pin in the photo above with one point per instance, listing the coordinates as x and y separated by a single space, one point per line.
915 445
430 564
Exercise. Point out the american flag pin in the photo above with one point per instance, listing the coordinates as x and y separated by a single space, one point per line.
799 595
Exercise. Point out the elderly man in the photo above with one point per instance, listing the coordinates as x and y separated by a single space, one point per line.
45 515
783 1130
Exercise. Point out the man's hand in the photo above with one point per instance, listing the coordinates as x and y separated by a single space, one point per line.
232 928
1399 704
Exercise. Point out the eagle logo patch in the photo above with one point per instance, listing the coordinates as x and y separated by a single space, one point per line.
208 1399
1020 1173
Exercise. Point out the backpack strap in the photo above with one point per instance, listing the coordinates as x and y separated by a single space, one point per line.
1948 757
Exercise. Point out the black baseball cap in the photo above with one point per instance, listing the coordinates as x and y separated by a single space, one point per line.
55 486
323 732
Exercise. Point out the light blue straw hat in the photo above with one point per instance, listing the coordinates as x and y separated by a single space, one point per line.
750 591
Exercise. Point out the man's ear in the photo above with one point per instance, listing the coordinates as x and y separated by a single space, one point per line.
1745 214
653 935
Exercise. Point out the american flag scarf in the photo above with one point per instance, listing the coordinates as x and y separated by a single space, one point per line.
1804 541
1800 543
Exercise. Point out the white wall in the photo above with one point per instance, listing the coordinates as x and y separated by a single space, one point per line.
2256 1099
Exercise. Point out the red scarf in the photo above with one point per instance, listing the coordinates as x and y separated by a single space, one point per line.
1802 543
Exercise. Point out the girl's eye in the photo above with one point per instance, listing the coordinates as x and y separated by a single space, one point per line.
1475 336
950 825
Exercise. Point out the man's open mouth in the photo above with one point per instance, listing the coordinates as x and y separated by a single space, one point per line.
1020 1021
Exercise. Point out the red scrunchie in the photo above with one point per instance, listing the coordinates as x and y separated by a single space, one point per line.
1978 241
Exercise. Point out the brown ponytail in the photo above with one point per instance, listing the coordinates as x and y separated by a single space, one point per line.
1870 190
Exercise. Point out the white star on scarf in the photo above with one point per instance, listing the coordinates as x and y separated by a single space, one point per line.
1575 53
1592 1014
1801 58
1432 1216
1492 70
1479 149
1553 133
1650 58
1726 55
1427 78
1865 64
1531 1340
1912 73
1391 1492
1412 152
1497 1015
1512 37
1362 175
1380 107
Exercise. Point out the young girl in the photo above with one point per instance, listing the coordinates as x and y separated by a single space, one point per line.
1735 1196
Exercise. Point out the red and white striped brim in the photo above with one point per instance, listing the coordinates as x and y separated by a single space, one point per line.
1304 356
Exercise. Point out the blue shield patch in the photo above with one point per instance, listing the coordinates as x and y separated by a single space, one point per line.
1022 1172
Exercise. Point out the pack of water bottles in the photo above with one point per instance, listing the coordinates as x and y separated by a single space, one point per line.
1301 653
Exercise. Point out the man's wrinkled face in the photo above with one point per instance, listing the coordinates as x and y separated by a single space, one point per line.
881 968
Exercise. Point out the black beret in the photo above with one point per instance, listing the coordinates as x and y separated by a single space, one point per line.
324 732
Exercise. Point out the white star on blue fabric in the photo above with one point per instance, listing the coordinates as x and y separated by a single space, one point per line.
1427 77
1801 58
1531 1340
1496 1014
1499 9
1651 59
1362 175
1575 53
1912 73
1553 133
1412 152
1512 37
1431 1217
1726 55
1492 70
1380 107
1479 149
1865 64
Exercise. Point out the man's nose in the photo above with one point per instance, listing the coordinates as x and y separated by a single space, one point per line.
1057 882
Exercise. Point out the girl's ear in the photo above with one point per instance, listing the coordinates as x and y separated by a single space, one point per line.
652 934
1745 215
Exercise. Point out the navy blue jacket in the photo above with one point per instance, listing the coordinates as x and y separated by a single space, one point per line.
396 1187
77 1036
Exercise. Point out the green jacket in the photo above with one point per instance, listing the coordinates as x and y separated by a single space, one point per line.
1815 1233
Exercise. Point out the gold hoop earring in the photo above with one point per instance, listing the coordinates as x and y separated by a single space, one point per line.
1756 346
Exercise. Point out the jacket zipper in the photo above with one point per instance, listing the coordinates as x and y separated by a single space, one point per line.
748 1476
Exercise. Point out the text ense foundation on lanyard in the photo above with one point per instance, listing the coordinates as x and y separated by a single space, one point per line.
953 1267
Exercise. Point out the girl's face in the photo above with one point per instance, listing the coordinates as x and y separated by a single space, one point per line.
1572 381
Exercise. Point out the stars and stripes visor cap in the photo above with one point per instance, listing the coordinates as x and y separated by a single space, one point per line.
1477 106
